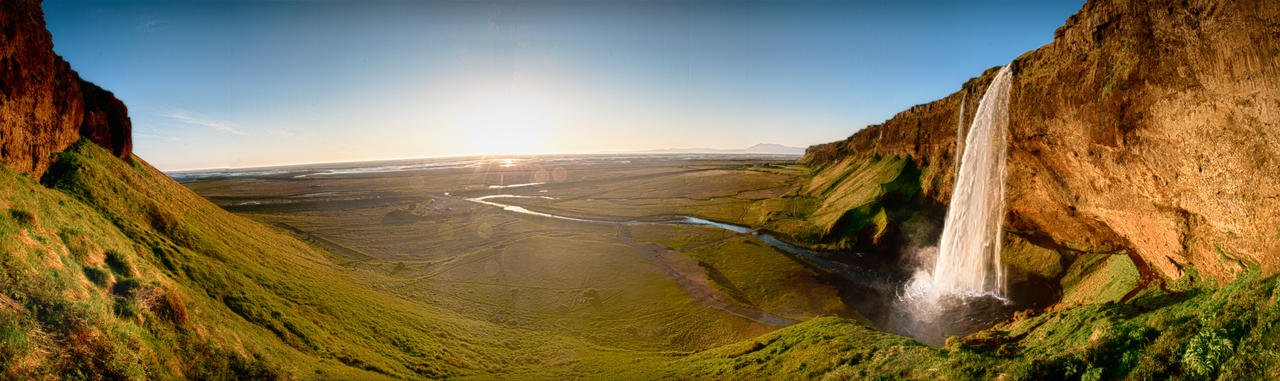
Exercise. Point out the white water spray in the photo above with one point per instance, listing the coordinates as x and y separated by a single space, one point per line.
968 261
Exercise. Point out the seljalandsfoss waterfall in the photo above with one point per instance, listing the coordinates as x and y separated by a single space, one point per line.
963 287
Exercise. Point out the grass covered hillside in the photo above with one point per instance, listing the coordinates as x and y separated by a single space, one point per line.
1230 333
114 271
859 202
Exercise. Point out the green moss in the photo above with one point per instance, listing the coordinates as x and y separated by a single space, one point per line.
1027 257
856 202
1099 278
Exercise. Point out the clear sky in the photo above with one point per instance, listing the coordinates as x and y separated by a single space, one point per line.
232 84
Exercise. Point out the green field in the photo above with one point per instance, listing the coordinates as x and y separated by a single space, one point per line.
115 271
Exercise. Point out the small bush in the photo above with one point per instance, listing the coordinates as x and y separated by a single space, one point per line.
118 264
97 276
23 217
1205 351
77 244
171 308
133 296
125 309
170 226
126 288
213 363
162 220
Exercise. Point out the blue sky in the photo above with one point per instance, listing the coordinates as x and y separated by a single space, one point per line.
231 84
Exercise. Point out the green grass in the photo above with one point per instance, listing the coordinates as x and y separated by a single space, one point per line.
753 272
1099 278
856 203
1228 333
260 301
110 270
1021 254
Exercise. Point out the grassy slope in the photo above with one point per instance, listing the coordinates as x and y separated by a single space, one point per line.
1194 330
257 300
850 204
96 270
788 288
1229 333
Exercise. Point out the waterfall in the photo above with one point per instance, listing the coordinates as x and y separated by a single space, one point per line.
969 251
959 286
968 259
960 130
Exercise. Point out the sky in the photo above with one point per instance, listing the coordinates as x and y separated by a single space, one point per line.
212 84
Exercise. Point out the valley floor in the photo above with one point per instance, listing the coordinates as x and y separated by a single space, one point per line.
707 303
646 287
112 270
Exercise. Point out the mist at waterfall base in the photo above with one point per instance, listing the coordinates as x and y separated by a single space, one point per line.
959 284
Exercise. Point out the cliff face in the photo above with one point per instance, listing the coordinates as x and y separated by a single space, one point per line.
1146 126
44 105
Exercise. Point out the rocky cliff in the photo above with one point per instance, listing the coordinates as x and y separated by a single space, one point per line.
44 105
1147 126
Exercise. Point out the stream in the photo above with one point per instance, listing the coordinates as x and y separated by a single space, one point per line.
876 293
868 278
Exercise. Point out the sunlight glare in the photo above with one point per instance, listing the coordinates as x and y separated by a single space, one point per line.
509 124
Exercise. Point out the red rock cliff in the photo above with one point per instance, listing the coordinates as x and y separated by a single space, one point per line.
44 105
1146 125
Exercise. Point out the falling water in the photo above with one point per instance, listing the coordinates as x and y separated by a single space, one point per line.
963 288
960 130
969 251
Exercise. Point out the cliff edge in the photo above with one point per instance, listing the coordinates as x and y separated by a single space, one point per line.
1146 126
44 105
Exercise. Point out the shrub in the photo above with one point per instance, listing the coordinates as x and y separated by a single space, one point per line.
97 276
127 292
1205 351
171 308
166 223
23 217
118 264
126 288
77 244
162 220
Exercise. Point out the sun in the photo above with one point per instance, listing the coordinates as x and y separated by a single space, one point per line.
507 124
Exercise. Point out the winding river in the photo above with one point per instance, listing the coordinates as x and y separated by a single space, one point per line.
865 277
876 291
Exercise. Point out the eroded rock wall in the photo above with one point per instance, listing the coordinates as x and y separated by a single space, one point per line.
44 105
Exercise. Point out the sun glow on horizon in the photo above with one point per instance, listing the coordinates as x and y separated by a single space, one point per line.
506 125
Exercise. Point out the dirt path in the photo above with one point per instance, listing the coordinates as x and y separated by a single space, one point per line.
694 281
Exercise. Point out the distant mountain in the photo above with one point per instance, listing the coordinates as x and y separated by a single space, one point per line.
761 149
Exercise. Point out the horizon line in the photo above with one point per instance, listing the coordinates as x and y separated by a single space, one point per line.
654 152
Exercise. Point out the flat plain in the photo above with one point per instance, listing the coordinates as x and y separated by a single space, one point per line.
601 270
